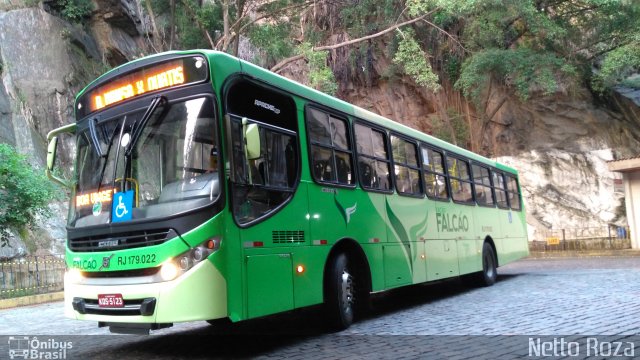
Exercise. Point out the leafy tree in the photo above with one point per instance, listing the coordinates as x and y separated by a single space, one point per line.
415 62
73 10
25 192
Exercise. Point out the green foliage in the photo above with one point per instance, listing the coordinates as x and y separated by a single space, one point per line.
24 191
189 35
74 10
365 17
524 70
274 40
553 39
617 66
320 75
414 61
452 127
189 16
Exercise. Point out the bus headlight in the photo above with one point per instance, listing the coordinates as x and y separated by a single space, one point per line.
169 271
74 275
173 268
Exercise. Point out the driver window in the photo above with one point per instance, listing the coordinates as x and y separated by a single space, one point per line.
262 184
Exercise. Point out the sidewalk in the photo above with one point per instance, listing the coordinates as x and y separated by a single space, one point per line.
31 300
582 253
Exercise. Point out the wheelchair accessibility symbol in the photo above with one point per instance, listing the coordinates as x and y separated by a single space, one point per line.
122 206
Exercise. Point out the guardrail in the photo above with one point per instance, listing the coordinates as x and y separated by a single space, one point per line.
588 238
31 275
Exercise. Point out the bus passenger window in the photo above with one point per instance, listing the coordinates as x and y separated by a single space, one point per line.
373 158
405 157
434 177
330 148
458 170
482 181
499 187
514 193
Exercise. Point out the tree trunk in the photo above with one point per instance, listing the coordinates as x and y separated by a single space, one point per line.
156 43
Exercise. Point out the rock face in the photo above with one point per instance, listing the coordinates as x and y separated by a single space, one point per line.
44 62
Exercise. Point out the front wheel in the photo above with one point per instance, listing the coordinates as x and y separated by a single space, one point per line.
339 293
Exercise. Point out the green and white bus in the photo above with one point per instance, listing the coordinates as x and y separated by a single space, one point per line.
208 188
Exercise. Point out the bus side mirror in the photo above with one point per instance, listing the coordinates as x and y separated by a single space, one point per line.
252 139
51 154
52 150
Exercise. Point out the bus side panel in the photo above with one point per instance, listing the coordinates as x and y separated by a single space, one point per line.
403 256
486 224
276 238
338 213
514 243
269 284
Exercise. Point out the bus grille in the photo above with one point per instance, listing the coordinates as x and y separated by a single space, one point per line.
287 236
129 240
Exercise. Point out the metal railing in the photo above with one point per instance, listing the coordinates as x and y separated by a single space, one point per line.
31 275
607 237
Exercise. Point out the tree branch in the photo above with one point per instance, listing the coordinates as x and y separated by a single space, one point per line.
447 34
286 61
235 33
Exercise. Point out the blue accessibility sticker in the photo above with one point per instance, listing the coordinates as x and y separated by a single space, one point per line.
122 207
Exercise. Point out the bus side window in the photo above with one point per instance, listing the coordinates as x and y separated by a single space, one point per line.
513 193
482 181
373 158
405 158
499 187
435 181
331 157
461 189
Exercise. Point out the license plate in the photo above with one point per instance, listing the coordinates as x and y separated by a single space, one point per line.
110 301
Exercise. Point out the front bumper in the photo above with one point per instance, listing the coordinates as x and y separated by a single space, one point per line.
199 294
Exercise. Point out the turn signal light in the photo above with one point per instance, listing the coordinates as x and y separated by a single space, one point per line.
300 269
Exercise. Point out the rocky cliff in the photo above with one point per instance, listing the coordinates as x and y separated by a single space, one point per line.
560 143
44 62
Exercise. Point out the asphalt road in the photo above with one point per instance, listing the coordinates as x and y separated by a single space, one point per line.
594 301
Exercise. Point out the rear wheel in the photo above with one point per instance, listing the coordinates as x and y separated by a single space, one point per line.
489 273
340 293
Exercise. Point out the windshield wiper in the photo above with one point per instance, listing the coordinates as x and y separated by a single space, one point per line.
94 137
111 138
139 125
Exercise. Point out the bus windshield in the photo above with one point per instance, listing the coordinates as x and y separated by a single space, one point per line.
169 161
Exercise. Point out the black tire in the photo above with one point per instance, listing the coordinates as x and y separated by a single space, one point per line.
489 273
340 293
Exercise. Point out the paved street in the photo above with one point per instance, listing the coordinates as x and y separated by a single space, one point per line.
534 297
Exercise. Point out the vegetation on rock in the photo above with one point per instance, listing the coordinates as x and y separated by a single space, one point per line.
24 192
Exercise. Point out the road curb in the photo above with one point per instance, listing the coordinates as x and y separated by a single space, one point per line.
31 300
583 254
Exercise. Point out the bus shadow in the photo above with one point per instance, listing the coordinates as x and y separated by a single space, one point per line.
280 332
406 298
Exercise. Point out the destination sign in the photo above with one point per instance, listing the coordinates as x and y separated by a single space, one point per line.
161 76
90 198
113 93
